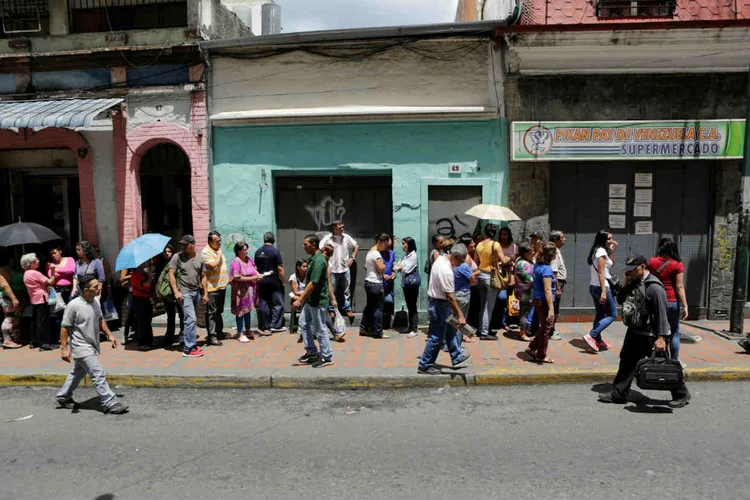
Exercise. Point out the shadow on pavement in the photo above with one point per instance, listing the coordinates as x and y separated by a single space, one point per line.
644 408
106 496
601 388
92 404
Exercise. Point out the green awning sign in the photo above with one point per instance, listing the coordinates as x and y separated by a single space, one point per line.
628 140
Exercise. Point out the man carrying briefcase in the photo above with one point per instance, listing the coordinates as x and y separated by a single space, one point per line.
644 312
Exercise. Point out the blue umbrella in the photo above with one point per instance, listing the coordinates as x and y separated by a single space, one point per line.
140 250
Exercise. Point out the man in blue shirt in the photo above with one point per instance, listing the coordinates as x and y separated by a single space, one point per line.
271 287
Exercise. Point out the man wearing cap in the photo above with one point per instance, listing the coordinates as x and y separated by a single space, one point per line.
187 277
217 279
345 251
440 305
640 341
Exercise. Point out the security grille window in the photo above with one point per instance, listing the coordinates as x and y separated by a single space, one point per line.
610 9
23 16
96 16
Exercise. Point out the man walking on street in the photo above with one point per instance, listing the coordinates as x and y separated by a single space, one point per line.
441 302
271 287
561 275
645 311
345 251
316 300
187 277
79 341
217 279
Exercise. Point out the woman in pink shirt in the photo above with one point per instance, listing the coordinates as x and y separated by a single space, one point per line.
65 271
38 285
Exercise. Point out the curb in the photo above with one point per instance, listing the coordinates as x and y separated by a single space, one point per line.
721 333
493 377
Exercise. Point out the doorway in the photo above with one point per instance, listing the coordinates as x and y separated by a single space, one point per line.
447 212
166 197
306 205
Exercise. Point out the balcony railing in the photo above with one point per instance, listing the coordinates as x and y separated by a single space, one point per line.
611 9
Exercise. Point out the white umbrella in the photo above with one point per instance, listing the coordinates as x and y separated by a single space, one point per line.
492 212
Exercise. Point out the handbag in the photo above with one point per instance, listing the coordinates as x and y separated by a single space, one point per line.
400 319
659 374
413 279
614 284
499 279
514 305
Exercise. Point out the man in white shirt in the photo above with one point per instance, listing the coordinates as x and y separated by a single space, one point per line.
345 251
561 274
441 303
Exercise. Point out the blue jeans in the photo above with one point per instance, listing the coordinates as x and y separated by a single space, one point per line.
673 317
440 332
605 313
502 297
341 283
463 297
189 306
489 303
246 319
81 367
313 324
372 316
271 307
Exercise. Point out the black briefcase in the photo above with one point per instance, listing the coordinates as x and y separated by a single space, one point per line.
659 374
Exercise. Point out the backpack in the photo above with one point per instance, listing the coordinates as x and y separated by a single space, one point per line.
634 312
163 288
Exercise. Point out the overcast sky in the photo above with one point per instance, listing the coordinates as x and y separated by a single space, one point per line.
312 15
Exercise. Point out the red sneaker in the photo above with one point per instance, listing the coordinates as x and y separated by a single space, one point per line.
602 345
194 353
591 342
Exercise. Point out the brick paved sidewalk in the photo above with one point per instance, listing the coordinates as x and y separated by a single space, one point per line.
275 356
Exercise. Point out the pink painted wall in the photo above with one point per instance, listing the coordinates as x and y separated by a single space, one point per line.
129 148
63 138
584 12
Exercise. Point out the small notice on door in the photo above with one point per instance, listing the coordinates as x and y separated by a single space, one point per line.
643 180
618 190
644 227
618 205
642 209
617 221
644 195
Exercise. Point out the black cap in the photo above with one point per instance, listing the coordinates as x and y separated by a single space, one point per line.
187 240
536 234
634 260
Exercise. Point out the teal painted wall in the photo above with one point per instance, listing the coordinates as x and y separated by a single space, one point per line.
416 154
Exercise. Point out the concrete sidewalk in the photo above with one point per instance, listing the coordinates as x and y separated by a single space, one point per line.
363 362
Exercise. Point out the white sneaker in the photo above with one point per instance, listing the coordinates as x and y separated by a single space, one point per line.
412 335
243 338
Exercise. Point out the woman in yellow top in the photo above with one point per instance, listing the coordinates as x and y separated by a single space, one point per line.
487 294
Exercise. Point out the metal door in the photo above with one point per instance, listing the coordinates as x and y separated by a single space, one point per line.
681 209
307 205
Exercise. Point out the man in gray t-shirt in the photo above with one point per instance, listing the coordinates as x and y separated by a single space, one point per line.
81 324
188 267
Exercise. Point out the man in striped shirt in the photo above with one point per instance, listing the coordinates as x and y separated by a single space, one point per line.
218 279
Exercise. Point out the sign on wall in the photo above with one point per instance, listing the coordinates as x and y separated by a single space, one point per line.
628 140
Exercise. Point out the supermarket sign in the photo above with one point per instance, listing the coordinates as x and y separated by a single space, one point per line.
628 140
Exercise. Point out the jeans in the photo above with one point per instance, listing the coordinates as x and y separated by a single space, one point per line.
487 306
144 333
341 283
463 297
673 318
440 333
314 325
247 319
501 310
605 313
411 296
389 308
271 306
372 316
214 310
539 344
88 366
170 308
561 287
524 315
634 348
189 306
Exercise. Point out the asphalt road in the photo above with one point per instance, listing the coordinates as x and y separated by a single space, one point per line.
499 443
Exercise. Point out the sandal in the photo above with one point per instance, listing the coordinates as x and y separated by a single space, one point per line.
547 360
9 344
523 337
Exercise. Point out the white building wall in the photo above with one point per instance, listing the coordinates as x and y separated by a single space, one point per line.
396 77
160 107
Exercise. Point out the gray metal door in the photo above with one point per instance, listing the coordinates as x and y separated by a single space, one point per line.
682 209
307 205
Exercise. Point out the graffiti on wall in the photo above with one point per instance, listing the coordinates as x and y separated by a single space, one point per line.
447 210
327 211
454 228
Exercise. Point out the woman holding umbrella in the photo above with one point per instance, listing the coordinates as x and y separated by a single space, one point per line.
38 286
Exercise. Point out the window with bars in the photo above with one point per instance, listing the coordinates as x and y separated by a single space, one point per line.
610 9
96 16
23 16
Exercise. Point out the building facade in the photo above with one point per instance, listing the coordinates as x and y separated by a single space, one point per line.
102 116
389 133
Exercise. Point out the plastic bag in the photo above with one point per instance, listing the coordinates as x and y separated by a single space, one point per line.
59 304
52 300
109 311
338 324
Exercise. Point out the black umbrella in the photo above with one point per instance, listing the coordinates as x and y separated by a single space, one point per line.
25 233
